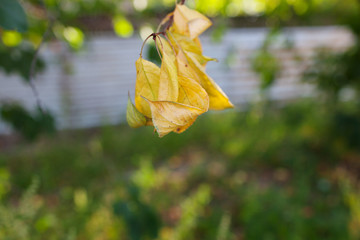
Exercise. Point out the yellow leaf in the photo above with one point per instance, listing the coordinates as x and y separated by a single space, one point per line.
134 118
191 65
198 43
218 99
170 116
190 92
171 97
147 84
184 69
168 82
183 128
185 44
190 22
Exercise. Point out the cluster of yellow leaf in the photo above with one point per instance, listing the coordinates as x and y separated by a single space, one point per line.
171 97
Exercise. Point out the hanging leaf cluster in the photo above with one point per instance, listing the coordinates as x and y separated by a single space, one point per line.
171 97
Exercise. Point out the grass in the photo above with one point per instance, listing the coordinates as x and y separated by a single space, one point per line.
264 173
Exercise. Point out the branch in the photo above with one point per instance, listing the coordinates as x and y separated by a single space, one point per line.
35 58
170 23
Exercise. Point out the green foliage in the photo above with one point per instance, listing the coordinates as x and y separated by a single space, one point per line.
4 182
16 221
141 220
337 75
274 214
12 16
264 63
334 72
28 124
268 172
263 173
18 60
346 126
191 209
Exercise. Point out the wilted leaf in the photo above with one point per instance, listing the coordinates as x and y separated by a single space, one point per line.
185 44
198 43
172 97
190 22
171 116
190 92
134 118
147 84
193 68
218 99
168 83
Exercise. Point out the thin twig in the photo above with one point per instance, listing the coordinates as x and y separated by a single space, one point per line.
170 23
153 35
32 69
142 47
34 60
165 20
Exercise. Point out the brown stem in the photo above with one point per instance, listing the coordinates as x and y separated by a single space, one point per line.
182 2
142 47
153 35
170 23
165 20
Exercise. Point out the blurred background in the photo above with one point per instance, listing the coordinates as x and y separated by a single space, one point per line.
283 164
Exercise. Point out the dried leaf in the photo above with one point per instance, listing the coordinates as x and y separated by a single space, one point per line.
147 84
168 82
195 69
134 118
185 44
170 116
218 99
190 92
190 22
171 97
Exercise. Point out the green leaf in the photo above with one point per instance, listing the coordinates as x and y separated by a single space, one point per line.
12 16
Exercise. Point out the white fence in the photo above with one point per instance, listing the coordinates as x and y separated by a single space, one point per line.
90 88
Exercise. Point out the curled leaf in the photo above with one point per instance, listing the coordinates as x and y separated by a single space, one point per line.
147 84
168 82
191 63
218 99
190 92
190 22
171 97
134 118
170 116
187 45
